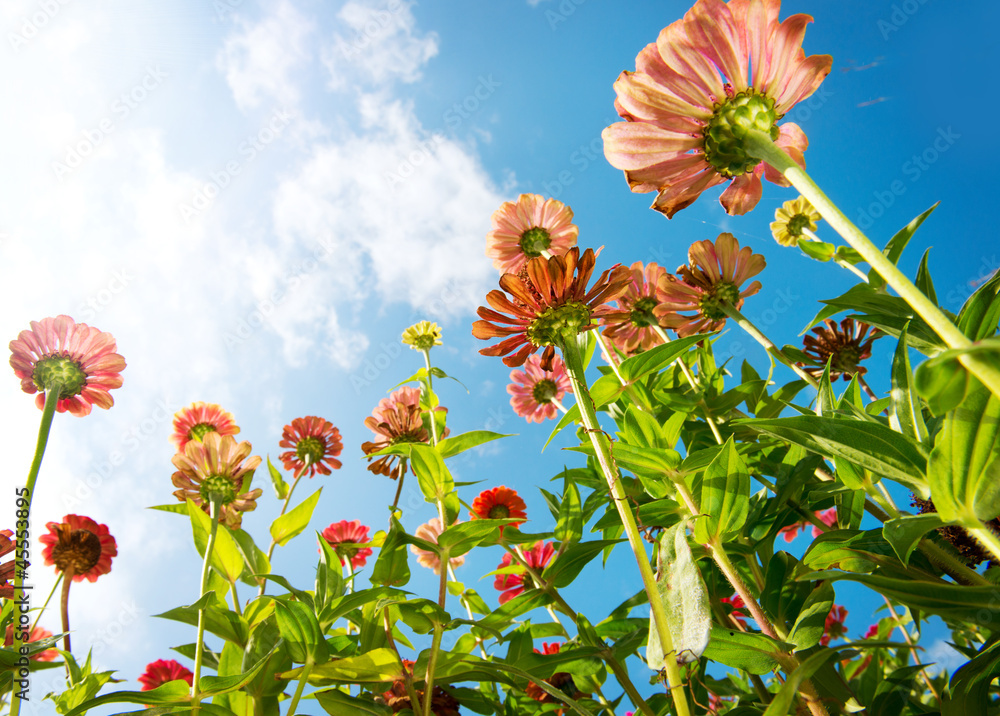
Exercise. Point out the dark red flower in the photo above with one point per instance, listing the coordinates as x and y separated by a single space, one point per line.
163 671
844 347
395 420
560 680
834 628
737 603
6 569
80 543
397 698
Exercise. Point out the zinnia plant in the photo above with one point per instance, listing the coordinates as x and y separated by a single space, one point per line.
535 392
528 228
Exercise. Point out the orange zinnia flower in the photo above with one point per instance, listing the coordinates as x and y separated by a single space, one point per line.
497 504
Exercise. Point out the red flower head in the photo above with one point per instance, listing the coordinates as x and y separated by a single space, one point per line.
199 419
81 545
163 671
694 95
712 280
632 332
736 602
342 536
827 517
217 466
37 634
534 389
834 628
844 347
73 355
510 585
396 420
6 569
548 304
497 504
560 680
523 229
315 445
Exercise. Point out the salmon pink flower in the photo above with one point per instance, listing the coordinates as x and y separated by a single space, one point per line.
712 280
80 359
163 671
7 569
523 229
315 446
197 420
216 468
37 634
499 503
844 347
511 585
430 532
549 303
396 420
342 536
534 390
834 627
633 332
80 546
694 96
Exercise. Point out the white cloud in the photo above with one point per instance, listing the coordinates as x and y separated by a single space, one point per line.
943 656
379 44
259 60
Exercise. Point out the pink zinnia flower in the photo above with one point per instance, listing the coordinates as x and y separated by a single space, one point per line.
430 531
37 634
80 543
510 585
73 355
163 671
342 536
523 229
737 603
533 389
396 419
197 420
315 446
834 628
713 279
632 331
694 94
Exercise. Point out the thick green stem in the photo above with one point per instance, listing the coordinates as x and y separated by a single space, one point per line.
658 614
759 144
303 677
199 650
769 346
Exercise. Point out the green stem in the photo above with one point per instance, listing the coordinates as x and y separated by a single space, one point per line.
693 382
839 261
759 144
199 651
986 537
47 600
432 663
772 349
430 400
274 543
303 677
658 614
48 411
236 598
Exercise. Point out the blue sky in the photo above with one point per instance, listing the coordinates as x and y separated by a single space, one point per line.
256 200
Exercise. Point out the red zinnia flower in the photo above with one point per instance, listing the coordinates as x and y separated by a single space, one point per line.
8 568
315 444
549 303
163 671
510 585
534 389
827 517
497 504
395 420
737 603
430 531
37 634
631 332
834 628
73 355
342 535
81 544
694 95
713 279
199 419
523 229
844 347
217 465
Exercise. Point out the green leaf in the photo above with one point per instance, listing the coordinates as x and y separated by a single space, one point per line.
923 280
905 414
969 690
868 445
725 495
277 481
905 533
376 666
818 250
338 703
944 382
456 444
433 475
749 651
651 361
894 249
964 469
782 703
979 316
222 623
226 556
301 631
391 568
254 559
811 622
571 562
290 524
604 390
569 526
460 538
684 597
846 253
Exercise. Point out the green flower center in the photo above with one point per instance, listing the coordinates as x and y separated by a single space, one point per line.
310 448
846 360
544 391
199 431
59 370
558 323
534 241
642 313
727 128
723 293
797 223
498 512
219 487
423 342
